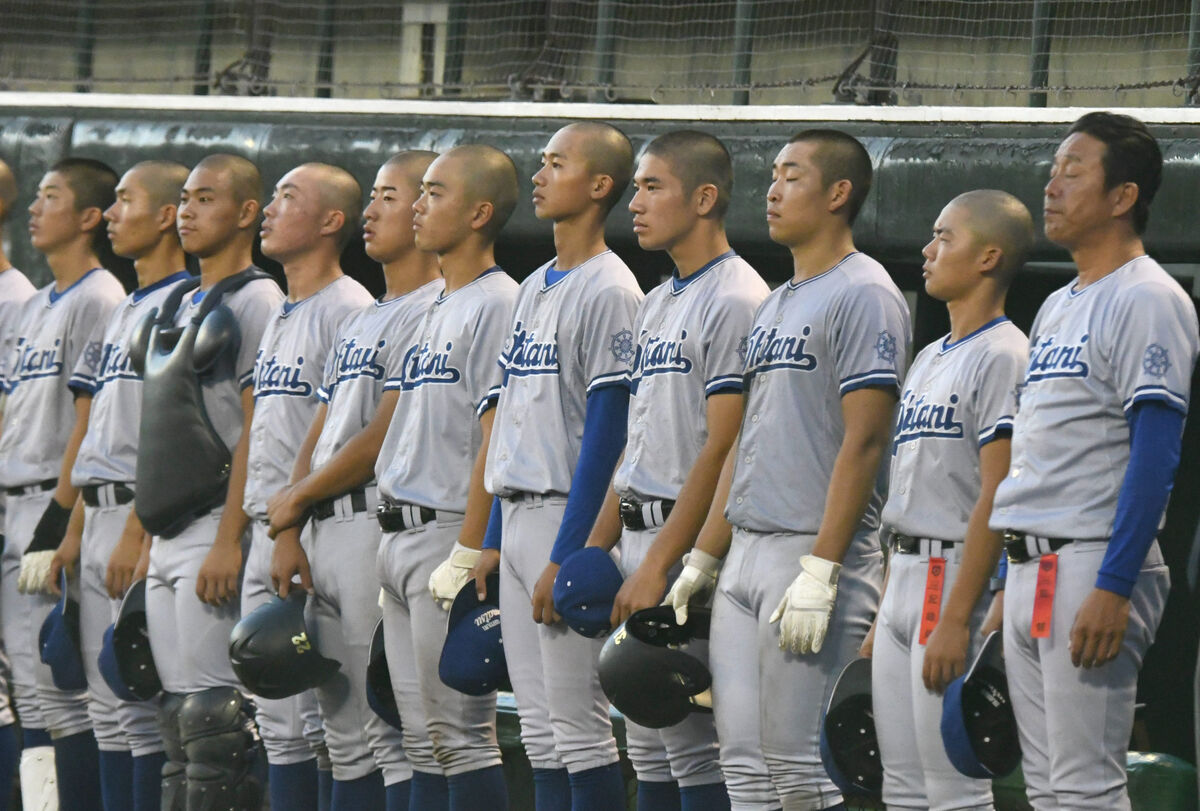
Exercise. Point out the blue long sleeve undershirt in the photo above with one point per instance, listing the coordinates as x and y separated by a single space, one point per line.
1155 438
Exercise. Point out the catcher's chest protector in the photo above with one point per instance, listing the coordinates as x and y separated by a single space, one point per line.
183 464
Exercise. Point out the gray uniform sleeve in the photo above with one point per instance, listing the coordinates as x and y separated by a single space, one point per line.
869 332
87 368
85 338
258 302
607 348
1153 346
726 339
482 371
995 405
329 374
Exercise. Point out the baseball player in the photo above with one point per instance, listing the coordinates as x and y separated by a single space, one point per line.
430 473
141 226
803 483
559 428
15 290
1095 446
212 334
44 421
684 410
950 450
338 563
313 216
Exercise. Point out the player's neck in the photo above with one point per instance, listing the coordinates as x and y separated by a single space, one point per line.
4 263
971 312
462 264
821 252
310 273
164 259
408 272
578 239
699 248
1096 258
70 262
234 258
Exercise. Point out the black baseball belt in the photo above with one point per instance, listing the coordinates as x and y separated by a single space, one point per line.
639 515
399 517
327 508
910 545
107 494
31 489
1017 545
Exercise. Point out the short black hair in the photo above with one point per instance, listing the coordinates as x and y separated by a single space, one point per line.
839 156
697 158
92 182
1131 155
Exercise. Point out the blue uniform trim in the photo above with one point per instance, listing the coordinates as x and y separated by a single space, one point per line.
491 536
323 394
1155 437
878 378
1003 429
552 275
55 295
612 379
603 441
791 285
142 292
948 345
442 296
489 401
246 380
1143 394
723 383
84 384
678 285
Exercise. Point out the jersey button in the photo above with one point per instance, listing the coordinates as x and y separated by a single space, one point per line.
779 319
740 499
754 418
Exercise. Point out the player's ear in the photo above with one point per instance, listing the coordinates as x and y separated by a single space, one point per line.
248 215
91 218
705 198
838 194
1123 197
602 185
483 215
165 220
990 257
334 220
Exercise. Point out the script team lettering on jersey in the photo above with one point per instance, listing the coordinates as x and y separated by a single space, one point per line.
273 377
529 356
422 364
34 361
358 360
770 350
1048 360
920 418
659 356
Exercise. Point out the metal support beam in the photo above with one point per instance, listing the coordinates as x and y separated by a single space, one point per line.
605 45
1193 65
203 62
743 44
1039 57
328 28
85 46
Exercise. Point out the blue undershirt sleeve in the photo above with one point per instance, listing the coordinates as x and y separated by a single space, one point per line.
1155 437
491 536
603 441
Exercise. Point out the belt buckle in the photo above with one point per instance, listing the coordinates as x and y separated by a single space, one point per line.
631 515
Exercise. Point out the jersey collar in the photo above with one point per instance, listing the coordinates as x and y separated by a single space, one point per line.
947 344
678 285
559 275
797 285
442 296
55 295
142 292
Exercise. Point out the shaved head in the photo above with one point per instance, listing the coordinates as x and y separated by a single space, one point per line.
997 218
8 190
245 180
162 180
340 192
608 153
490 176
697 158
412 163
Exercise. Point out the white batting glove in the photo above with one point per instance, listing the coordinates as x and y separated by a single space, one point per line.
803 613
35 570
452 574
698 579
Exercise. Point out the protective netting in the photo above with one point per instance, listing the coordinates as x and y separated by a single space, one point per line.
1109 52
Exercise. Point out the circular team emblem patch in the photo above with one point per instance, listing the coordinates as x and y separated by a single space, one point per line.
1156 361
622 346
885 347
93 353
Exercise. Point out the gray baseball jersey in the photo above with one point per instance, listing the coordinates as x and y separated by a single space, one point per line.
252 306
812 343
691 343
369 344
15 290
1093 354
446 377
568 339
288 371
53 332
956 398
109 450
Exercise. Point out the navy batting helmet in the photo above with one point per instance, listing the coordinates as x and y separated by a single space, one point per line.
849 747
58 641
380 696
473 655
126 662
584 590
272 653
647 672
979 730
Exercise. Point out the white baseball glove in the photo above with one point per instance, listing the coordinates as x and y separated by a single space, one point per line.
803 613
452 574
697 580
35 569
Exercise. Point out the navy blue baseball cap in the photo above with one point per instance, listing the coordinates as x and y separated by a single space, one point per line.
849 745
473 655
585 588
380 696
126 661
110 670
58 641
979 730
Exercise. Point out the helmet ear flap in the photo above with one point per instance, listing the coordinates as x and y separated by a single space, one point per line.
217 331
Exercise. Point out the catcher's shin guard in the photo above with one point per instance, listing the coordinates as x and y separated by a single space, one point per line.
174 771
221 743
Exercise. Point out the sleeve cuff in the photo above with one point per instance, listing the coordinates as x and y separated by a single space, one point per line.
1003 429
1161 394
604 381
879 379
724 383
1115 584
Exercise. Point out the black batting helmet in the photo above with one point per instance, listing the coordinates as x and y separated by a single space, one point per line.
979 730
849 746
272 653
380 696
127 662
647 673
